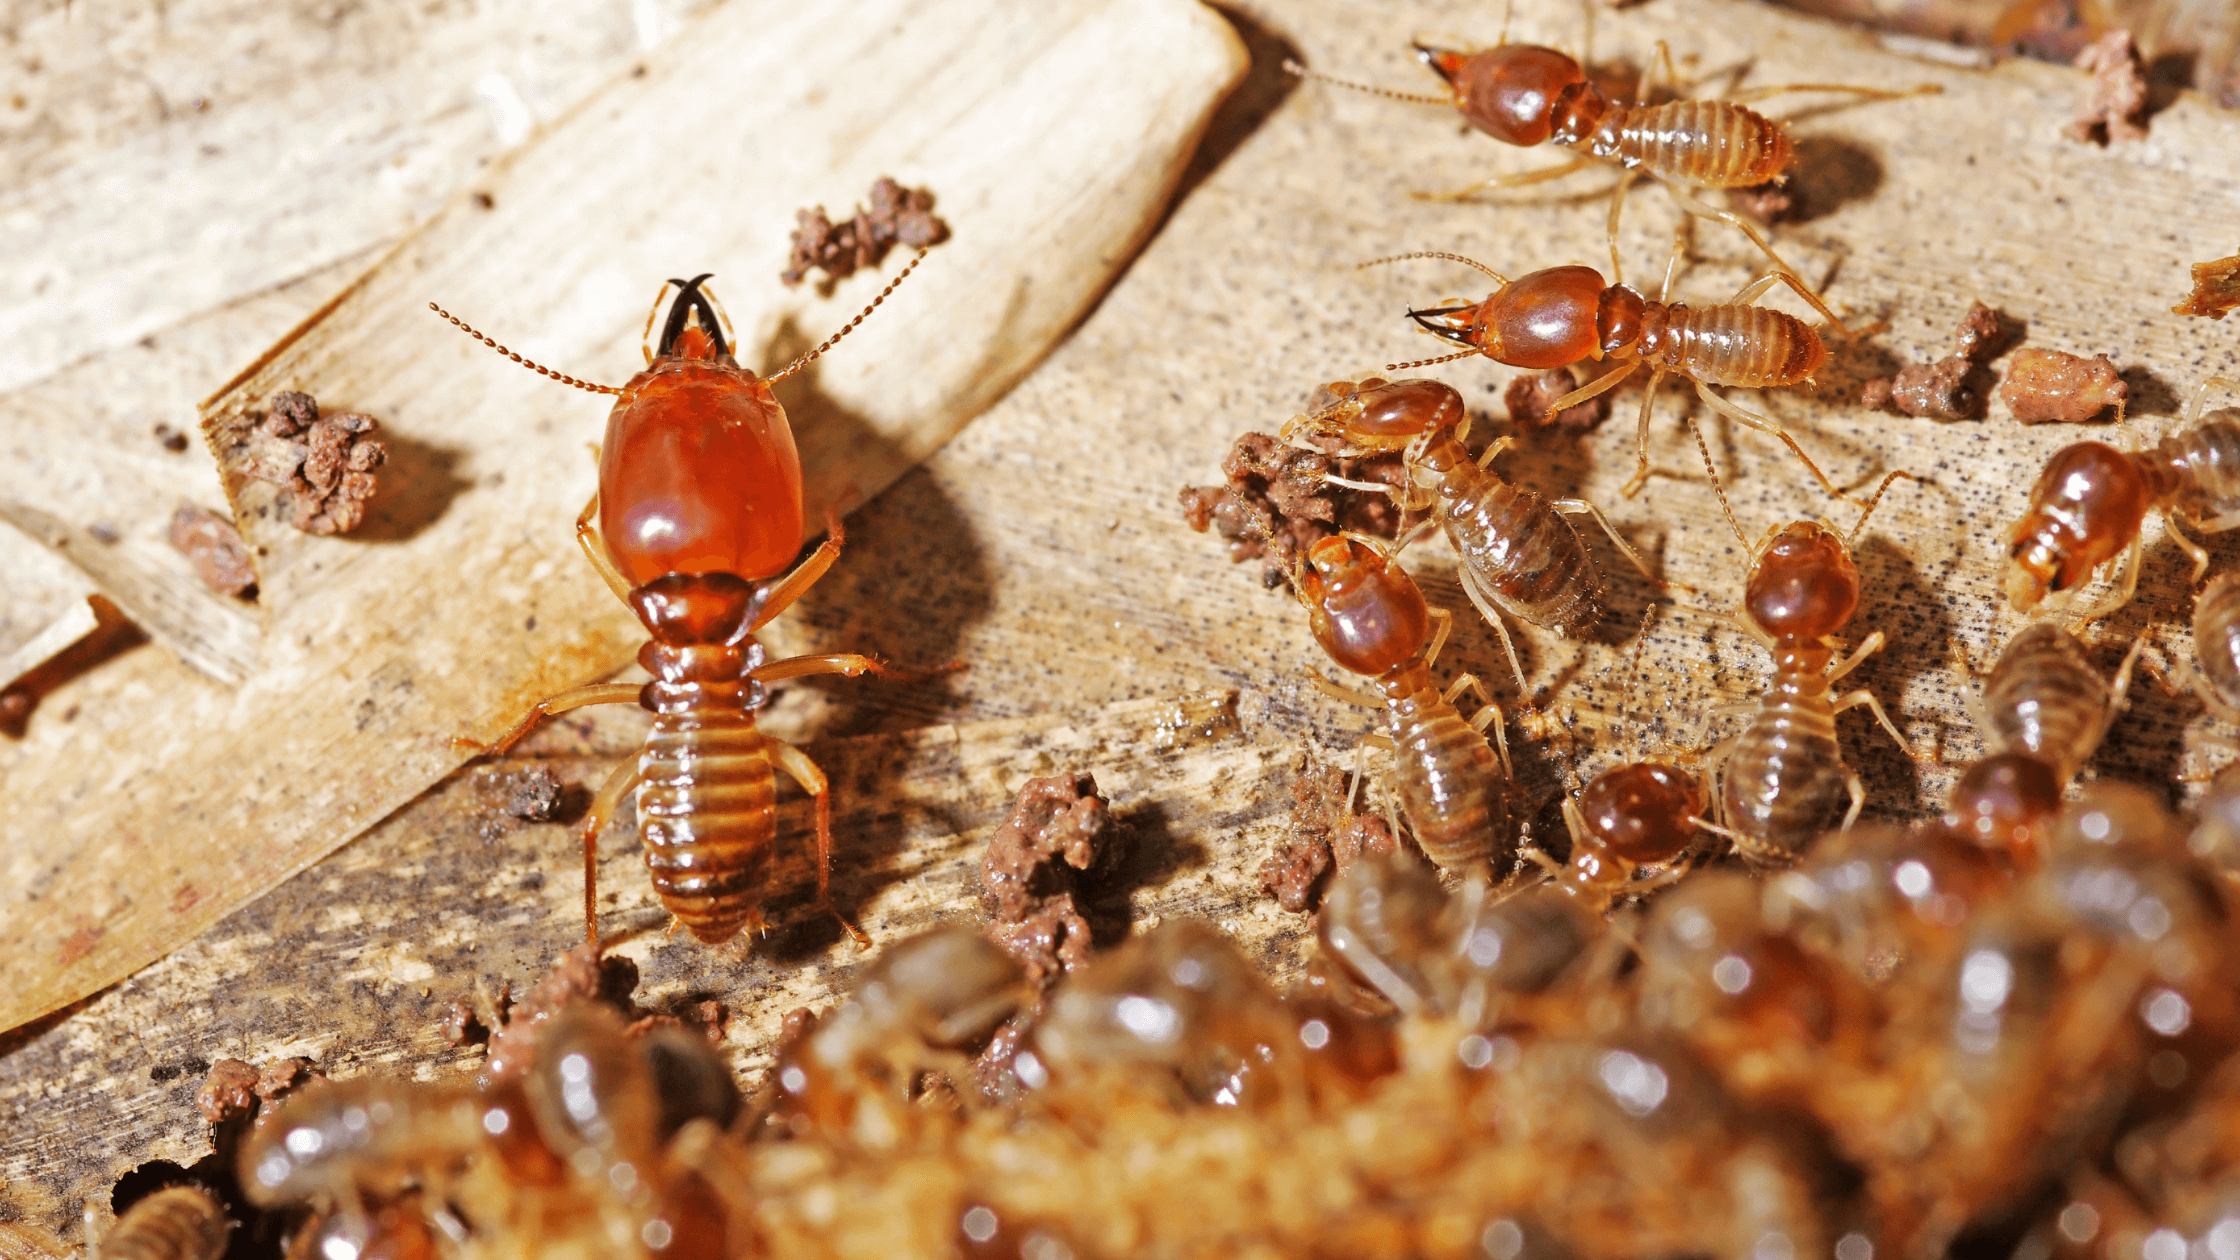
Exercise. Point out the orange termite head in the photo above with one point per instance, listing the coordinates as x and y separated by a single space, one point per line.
2085 509
694 329
1364 610
1548 319
1802 584
1379 415
1507 92
2005 803
1643 812
696 608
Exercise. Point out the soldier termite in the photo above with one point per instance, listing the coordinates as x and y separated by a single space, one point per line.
1518 553
1780 779
2091 499
1527 95
1368 614
699 502
1566 315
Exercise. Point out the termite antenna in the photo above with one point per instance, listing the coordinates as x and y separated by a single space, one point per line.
834 339
1895 473
1413 98
538 368
1444 358
1718 489
1498 278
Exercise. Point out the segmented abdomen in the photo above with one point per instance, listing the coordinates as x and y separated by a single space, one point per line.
1712 144
1521 550
175 1223
707 807
1783 783
1750 346
1450 786
2045 698
2216 636
2210 454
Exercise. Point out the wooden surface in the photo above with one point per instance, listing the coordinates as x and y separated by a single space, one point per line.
1044 547
1052 159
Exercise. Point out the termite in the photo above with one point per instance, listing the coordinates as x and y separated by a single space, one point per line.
1527 95
2045 698
1565 315
1781 778
1631 816
174 1223
2216 644
2092 498
1518 553
1368 614
699 501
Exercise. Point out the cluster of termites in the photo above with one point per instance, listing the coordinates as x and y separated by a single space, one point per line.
1712 1015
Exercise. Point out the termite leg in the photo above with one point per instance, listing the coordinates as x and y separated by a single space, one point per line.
2201 395
573 698
803 771
797 583
1858 791
1617 208
1347 694
1872 644
1594 388
1865 700
1488 717
1442 625
1641 435
2133 558
1582 506
595 550
1788 276
1863 93
1742 415
2194 550
849 664
595 819
1472 587
1490 183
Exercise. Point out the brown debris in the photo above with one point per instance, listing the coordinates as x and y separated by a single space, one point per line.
2216 289
1956 387
1276 503
228 1093
173 440
1363 835
1323 836
1033 867
2116 105
461 1025
531 795
583 974
898 216
327 462
2050 385
285 1077
211 543
1531 401
1291 875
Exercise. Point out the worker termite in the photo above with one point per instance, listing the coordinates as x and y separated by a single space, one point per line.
2090 501
1368 614
1631 816
699 500
1566 315
175 1223
1518 553
2216 644
2045 698
1781 778
1527 95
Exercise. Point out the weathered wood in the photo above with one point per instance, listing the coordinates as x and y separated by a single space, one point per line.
1043 546
1053 147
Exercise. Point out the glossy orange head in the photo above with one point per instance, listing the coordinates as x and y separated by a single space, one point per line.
2004 803
1507 92
698 473
1365 610
1643 812
1803 584
1548 319
2085 509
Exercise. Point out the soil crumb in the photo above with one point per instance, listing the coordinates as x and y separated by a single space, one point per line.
2216 289
1531 401
1276 503
214 547
898 216
2115 107
326 462
1035 863
2047 385
1956 387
